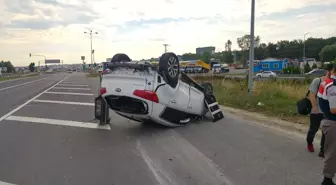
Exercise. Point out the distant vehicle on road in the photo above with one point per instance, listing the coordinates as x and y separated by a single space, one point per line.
316 72
266 74
220 68
161 94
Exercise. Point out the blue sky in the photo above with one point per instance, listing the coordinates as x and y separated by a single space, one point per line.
55 28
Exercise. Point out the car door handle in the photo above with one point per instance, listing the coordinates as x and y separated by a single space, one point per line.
172 101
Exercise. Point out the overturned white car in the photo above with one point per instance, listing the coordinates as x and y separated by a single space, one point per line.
159 93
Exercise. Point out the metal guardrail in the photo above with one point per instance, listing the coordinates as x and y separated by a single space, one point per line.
8 75
233 74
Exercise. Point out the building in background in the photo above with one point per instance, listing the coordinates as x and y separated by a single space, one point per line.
270 64
201 50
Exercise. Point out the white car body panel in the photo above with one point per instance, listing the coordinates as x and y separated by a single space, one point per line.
183 97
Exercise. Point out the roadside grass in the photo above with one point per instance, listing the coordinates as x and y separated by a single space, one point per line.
94 75
270 97
16 77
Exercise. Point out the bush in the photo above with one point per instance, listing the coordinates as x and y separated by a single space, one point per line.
307 68
291 70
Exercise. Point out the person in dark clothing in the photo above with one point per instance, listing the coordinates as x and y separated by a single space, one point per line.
316 114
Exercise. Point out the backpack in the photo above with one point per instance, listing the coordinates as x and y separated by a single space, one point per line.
304 105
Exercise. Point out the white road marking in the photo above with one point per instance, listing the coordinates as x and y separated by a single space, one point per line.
24 104
5 183
22 77
69 93
64 102
160 176
58 122
73 85
21 84
187 158
65 82
74 88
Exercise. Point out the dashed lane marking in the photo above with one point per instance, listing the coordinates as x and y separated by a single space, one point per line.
64 102
73 88
69 93
24 104
58 122
18 85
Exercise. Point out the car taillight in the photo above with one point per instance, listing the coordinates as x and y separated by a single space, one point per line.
106 71
148 95
102 90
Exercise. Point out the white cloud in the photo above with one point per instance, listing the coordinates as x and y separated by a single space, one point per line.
139 28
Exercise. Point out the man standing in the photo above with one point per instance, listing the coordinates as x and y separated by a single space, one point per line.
327 103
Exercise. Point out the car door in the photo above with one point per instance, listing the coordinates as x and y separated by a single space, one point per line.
264 74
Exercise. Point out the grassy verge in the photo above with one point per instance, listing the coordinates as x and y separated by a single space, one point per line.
271 97
16 77
94 75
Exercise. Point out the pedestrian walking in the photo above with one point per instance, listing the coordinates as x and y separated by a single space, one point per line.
316 114
327 103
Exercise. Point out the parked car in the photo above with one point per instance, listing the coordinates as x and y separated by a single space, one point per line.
189 69
163 95
266 74
182 69
198 69
316 72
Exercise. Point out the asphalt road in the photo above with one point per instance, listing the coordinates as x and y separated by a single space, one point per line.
48 136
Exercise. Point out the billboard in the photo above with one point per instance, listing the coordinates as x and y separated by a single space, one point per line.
53 61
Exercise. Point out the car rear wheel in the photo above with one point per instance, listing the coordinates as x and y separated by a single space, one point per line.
120 57
169 67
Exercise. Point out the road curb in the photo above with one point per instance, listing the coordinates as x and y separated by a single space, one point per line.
267 120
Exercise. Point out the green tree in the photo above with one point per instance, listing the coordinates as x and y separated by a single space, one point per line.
31 67
228 57
190 56
244 42
314 66
328 53
8 65
228 45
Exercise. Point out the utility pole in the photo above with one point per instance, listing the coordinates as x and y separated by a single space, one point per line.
91 51
304 46
250 76
165 46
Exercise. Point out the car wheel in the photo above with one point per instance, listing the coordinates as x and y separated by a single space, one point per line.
259 76
271 76
120 57
169 66
208 88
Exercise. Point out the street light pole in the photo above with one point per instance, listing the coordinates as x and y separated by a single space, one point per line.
251 64
304 46
90 33
165 46
45 58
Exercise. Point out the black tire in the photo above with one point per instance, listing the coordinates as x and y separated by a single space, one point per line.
169 67
120 57
208 88
259 76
